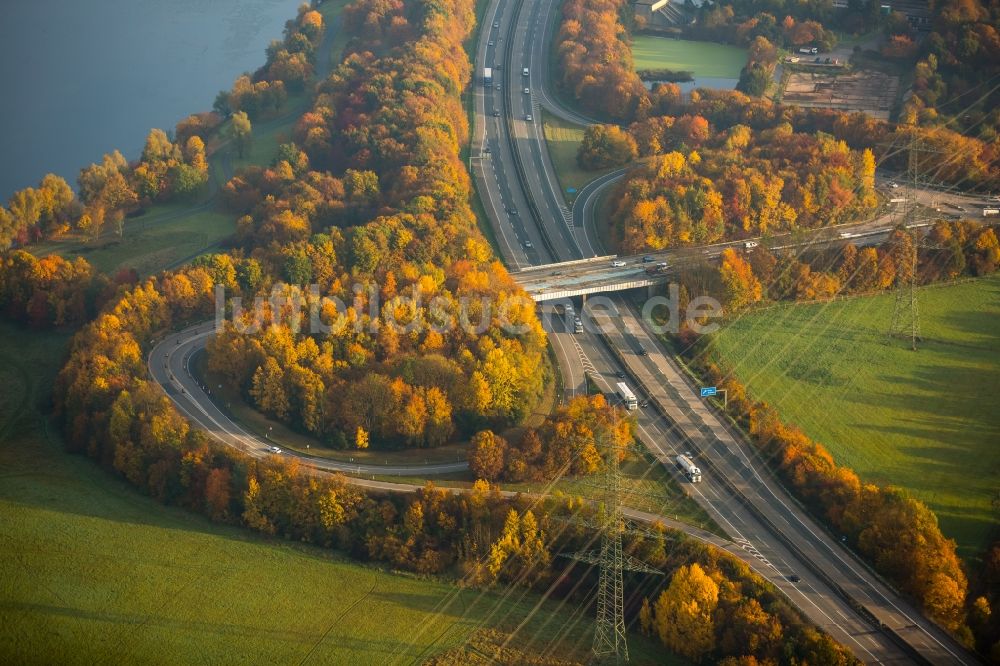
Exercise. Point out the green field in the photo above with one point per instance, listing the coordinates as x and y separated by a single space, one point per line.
165 236
703 59
96 572
927 421
563 139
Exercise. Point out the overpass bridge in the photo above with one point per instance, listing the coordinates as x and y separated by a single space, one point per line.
582 277
598 275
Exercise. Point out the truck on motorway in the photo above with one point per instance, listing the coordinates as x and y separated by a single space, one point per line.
626 396
991 212
659 268
809 51
487 76
897 200
690 470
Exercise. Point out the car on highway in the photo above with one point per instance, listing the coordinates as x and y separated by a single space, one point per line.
496 113
528 244
644 403
794 578
528 117
496 24
489 43
512 211
274 449
642 352
749 245
527 91
648 259
620 375
498 66
893 185
618 263
498 86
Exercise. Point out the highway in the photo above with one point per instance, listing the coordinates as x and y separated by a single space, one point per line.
836 591
169 365
516 183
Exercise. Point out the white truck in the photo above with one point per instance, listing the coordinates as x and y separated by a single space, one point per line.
809 51
627 397
690 470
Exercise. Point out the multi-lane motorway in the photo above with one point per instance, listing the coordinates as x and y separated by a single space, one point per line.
835 590
518 188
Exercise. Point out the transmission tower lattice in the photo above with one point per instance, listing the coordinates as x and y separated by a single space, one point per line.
609 634
905 321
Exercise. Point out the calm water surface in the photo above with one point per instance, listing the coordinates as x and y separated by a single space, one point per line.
82 77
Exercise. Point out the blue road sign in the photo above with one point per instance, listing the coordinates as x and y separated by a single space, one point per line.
708 390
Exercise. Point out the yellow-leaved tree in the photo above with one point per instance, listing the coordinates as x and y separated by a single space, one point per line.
683 612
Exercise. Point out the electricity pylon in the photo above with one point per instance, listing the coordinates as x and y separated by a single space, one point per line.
905 321
609 633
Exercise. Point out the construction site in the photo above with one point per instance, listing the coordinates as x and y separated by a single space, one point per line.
868 91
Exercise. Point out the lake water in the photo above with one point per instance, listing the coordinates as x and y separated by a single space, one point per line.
81 78
712 82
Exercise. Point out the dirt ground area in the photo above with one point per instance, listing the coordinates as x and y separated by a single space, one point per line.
868 91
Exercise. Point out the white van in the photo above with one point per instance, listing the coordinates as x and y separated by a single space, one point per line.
524 72
749 245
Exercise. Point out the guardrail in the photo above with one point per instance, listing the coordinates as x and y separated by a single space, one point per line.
571 262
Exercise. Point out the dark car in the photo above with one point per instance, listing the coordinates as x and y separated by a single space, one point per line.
644 404
620 375
496 113
794 578
642 352
648 259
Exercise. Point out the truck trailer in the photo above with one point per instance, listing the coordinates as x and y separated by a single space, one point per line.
626 396
690 470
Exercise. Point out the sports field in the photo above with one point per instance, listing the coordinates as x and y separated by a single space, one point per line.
96 573
926 421
703 59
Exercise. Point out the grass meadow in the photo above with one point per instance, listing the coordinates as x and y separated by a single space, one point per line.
926 421
702 59
563 139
